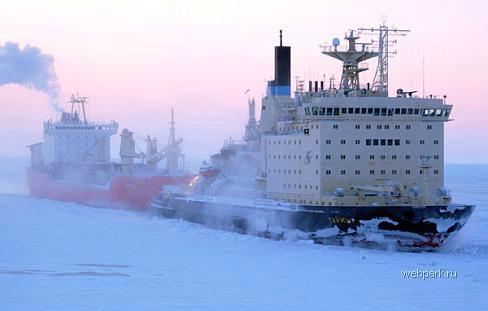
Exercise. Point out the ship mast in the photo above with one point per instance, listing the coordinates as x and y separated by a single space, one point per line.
78 105
380 81
173 150
172 138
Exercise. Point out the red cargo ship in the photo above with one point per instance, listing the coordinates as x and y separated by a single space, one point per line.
73 163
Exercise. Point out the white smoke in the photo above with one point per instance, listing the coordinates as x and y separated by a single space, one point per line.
30 68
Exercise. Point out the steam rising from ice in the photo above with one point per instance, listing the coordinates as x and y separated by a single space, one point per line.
30 68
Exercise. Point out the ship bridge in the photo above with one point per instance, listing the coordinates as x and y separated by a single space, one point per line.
425 109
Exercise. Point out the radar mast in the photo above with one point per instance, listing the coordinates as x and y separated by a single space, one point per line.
350 60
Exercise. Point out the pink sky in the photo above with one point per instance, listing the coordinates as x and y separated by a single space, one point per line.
136 59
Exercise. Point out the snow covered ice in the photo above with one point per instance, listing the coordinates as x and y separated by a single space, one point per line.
63 256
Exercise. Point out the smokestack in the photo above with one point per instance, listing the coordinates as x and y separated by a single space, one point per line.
280 86
316 86
321 85
29 68
310 86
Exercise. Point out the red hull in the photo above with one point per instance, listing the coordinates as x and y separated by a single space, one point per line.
133 192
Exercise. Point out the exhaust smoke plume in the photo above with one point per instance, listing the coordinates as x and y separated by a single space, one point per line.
30 68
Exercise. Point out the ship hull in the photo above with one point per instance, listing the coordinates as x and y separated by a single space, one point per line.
125 191
410 226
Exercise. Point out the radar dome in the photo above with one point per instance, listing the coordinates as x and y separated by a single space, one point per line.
336 42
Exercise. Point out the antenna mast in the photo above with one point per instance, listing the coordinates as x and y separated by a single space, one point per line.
380 81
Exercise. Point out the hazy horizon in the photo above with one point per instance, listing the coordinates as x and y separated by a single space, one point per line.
136 60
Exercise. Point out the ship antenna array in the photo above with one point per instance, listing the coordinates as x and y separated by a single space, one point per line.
380 81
